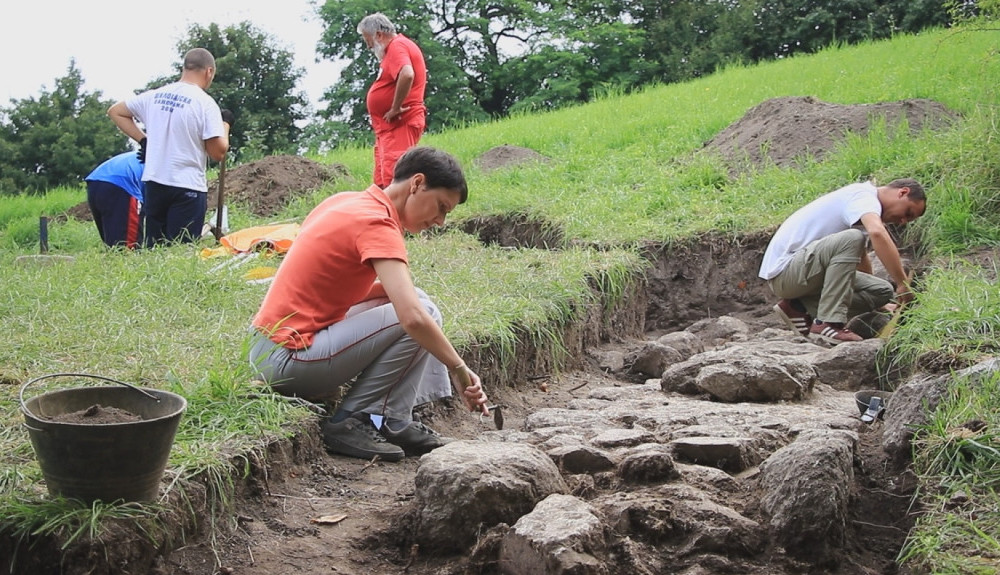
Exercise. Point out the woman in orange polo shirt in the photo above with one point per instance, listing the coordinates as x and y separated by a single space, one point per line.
343 310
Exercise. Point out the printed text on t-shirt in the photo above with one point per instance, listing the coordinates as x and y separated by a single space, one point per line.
168 102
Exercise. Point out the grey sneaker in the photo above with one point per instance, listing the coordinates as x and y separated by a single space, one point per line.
416 438
356 436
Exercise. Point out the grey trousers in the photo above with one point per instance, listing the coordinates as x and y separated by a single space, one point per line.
391 373
824 277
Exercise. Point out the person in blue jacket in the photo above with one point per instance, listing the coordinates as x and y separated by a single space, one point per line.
114 193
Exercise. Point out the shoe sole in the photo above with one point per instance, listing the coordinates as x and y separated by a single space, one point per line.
338 448
415 449
802 330
418 451
829 339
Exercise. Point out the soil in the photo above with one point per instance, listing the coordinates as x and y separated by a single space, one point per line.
507 156
318 513
783 131
80 212
268 185
96 415
263 187
302 511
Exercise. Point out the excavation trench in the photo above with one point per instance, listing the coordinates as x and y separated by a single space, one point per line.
299 510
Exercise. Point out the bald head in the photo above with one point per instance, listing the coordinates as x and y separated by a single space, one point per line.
199 68
198 59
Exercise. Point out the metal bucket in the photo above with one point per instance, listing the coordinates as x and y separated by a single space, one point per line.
863 398
107 462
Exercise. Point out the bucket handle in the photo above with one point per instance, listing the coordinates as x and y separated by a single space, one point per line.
101 377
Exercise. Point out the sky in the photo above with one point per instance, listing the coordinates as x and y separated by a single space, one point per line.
119 45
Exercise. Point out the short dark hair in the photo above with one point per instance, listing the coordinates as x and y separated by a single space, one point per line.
440 168
916 190
198 59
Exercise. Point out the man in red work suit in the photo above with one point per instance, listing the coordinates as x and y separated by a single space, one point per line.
396 99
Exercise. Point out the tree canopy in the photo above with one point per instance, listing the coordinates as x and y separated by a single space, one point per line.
57 138
256 80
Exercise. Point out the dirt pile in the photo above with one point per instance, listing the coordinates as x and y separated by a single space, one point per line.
783 130
264 187
80 212
268 185
507 156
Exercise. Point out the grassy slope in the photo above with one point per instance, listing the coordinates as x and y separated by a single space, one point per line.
623 170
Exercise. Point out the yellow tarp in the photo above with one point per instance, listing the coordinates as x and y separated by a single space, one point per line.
247 244
277 238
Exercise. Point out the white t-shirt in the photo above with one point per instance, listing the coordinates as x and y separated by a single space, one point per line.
835 212
178 118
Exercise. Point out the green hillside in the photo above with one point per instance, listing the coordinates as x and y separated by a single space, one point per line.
626 168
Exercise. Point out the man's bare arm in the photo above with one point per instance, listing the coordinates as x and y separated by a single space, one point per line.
123 118
404 81
888 254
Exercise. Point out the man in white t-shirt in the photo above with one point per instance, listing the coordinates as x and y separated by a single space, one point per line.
817 261
184 127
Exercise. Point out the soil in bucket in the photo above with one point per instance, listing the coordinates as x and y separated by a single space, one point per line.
97 414
103 443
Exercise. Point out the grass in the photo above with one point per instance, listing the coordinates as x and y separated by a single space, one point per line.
956 318
507 283
957 457
623 171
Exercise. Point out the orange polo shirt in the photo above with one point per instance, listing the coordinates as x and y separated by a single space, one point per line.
328 269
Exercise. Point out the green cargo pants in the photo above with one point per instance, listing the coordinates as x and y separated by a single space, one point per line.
824 276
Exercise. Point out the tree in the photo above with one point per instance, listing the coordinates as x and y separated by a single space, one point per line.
482 56
256 80
56 139
486 58
786 27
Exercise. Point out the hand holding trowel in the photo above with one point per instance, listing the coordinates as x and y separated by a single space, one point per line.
903 297
463 378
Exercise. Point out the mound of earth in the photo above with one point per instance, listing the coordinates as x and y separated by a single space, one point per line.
268 185
506 156
80 212
781 130
264 187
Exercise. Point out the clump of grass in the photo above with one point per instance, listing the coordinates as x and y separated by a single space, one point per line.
68 521
957 457
495 295
956 317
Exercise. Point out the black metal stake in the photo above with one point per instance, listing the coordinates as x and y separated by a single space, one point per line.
43 234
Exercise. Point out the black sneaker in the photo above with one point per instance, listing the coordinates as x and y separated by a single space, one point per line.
415 439
357 436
